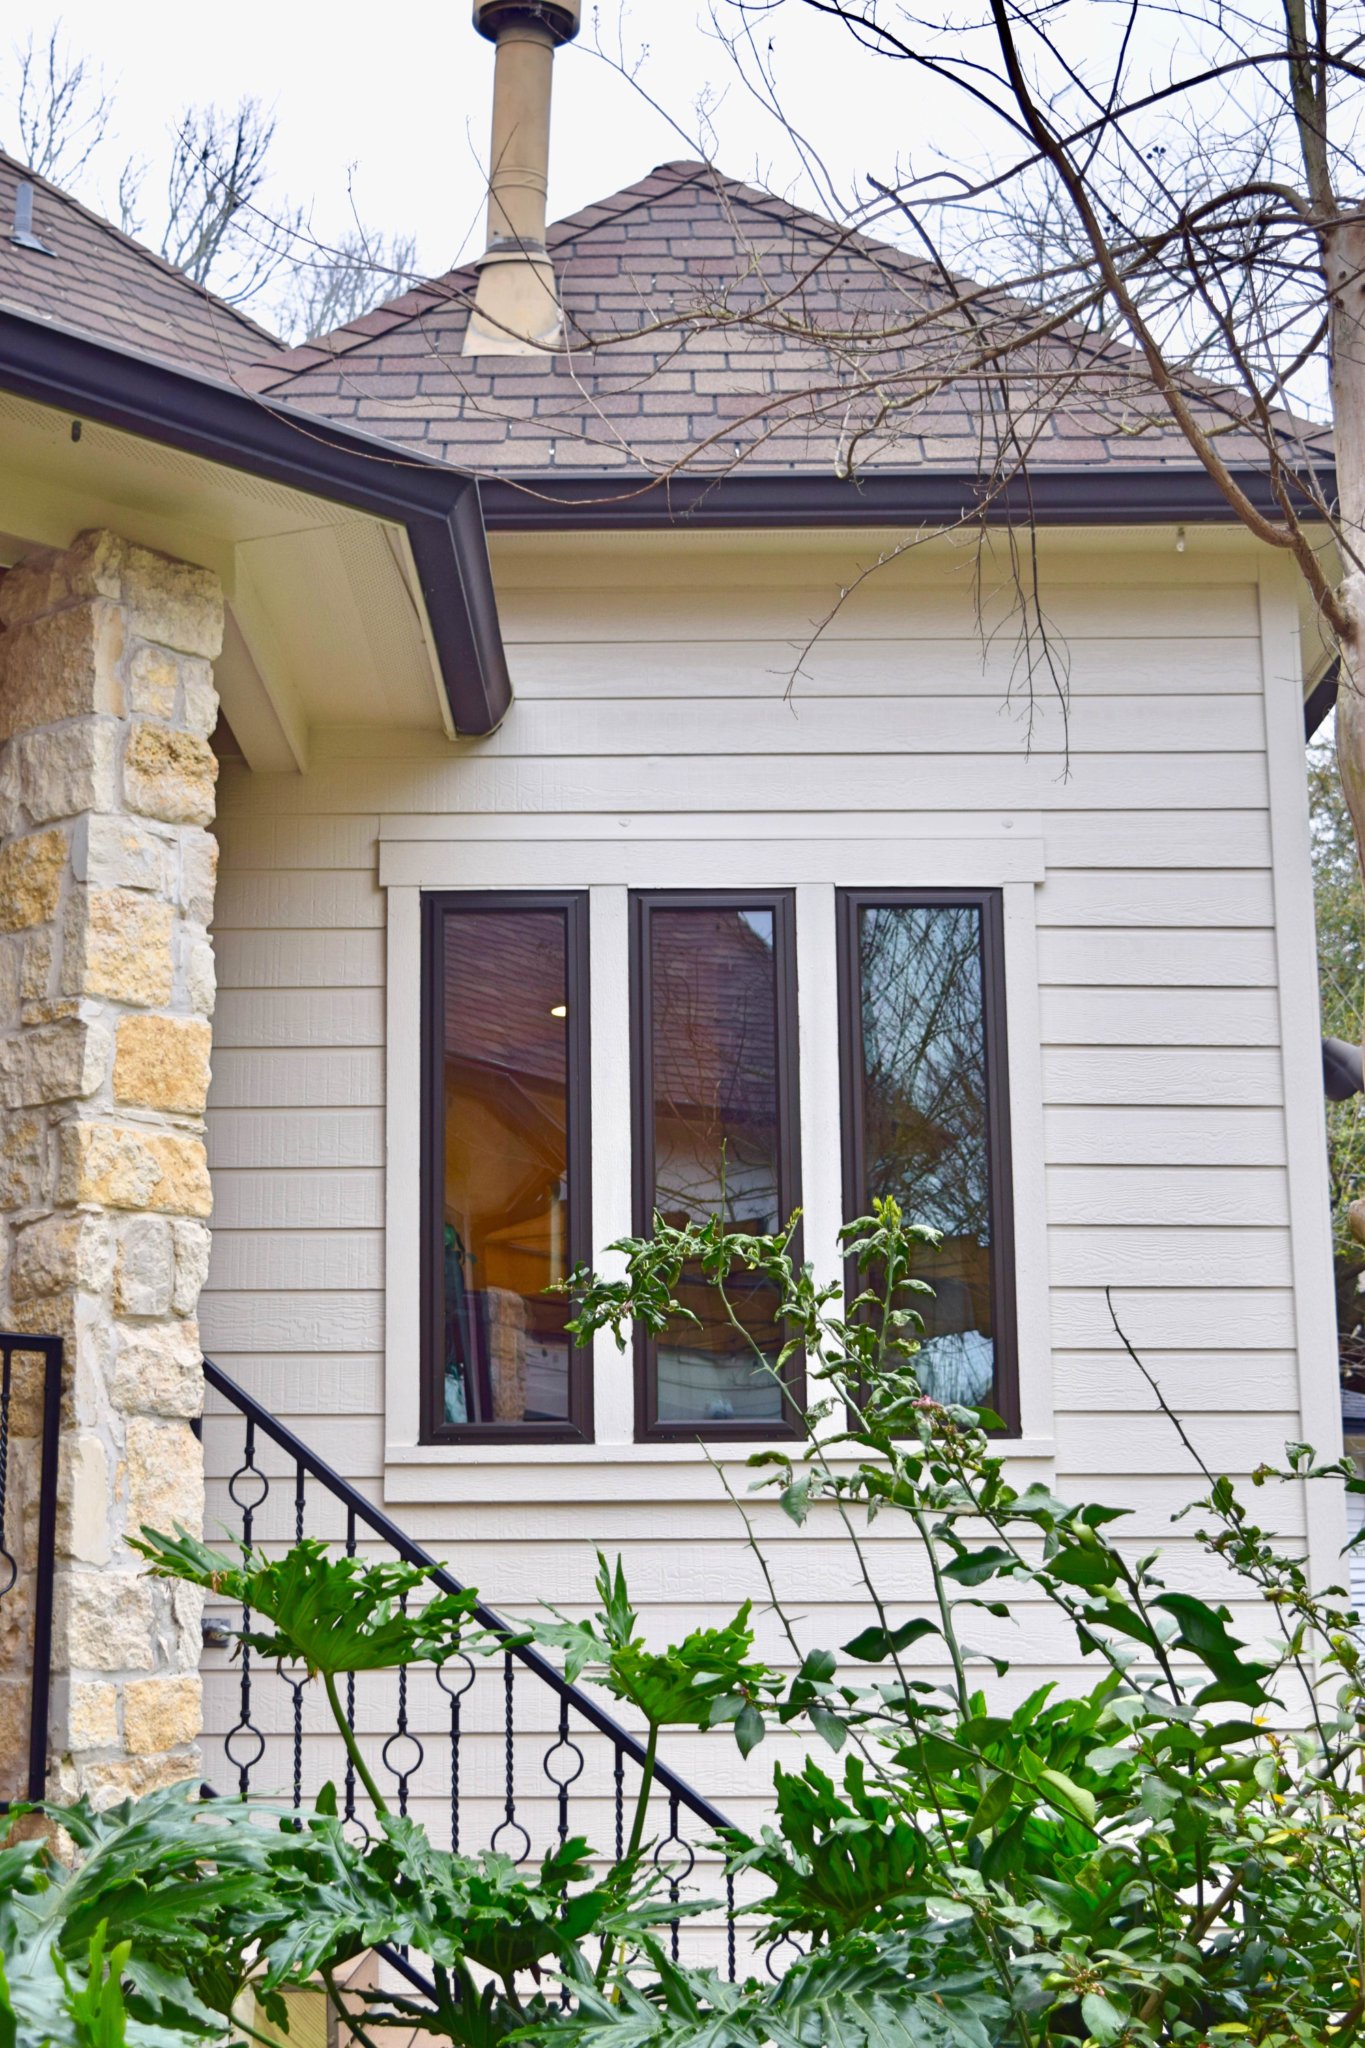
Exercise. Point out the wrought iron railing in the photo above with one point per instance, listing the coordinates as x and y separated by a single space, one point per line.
499 1751
30 1419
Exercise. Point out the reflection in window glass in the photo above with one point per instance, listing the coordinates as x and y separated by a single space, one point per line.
924 1121
505 1196
712 1063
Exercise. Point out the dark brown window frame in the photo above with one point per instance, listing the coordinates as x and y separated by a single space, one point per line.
782 904
999 1166
435 903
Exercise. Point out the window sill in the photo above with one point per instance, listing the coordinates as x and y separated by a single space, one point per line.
621 1472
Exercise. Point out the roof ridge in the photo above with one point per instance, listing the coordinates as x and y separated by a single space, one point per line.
141 249
444 288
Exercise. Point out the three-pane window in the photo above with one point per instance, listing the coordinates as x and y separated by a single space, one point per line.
713 1007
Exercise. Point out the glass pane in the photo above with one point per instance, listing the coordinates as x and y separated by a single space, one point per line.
713 1061
505 1215
924 1122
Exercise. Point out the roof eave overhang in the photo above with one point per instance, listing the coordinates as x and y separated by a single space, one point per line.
439 507
608 501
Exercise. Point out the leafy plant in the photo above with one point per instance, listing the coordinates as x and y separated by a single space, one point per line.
1171 1854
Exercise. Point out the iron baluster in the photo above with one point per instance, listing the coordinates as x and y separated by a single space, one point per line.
247 1500
349 1804
619 1789
679 1868
455 1694
28 1551
510 1825
415 1749
296 1685
570 1771
730 1925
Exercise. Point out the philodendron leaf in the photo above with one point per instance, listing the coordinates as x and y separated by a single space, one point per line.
331 1613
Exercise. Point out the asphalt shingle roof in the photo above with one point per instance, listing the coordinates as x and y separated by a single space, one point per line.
658 371
100 280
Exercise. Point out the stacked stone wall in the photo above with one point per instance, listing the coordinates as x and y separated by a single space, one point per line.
107 869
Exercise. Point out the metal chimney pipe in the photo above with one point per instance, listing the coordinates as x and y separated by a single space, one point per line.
516 309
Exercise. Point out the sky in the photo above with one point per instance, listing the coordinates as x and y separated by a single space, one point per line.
388 107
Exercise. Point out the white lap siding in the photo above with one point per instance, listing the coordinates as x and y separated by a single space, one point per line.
658 733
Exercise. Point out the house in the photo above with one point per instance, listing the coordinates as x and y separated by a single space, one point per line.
612 811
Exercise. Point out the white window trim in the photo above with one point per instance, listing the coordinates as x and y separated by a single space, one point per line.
614 1466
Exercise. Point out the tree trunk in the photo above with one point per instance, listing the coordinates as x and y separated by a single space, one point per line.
1345 253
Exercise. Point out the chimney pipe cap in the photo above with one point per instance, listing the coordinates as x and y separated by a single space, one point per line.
563 18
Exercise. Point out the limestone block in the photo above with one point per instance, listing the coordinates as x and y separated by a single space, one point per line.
109 1783
187 1614
174 603
192 1247
153 680
11 979
162 1713
120 1168
199 701
117 942
64 665
198 873
201 980
59 1253
60 1062
169 774
51 577
103 1621
121 853
31 873
67 769
23 1160
85 1715
35 977
163 1063
159 1370
144 1272
165 1476
83 1497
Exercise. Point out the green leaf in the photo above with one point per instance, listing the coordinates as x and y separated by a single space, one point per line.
875 1645
1104 2020
976 1566
1069 1797
748 1728
993 1804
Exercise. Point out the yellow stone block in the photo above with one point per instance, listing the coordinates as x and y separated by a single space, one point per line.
163 1062
118 943
170 775
120 1168
162 1713
31 879
61 666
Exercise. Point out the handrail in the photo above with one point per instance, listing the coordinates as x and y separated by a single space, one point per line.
375 1518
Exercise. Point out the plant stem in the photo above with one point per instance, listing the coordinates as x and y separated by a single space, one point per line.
343 2012
352 1747
637 1832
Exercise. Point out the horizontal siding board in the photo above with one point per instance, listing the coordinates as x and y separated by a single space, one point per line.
299 1017
1125 837
1197 1076
251 838
652 610
317 1138
1095 1382
1155 1136
298 1200
244 1261
1197 1318
1198 960
1156 900
816 726
891 667
1145 1016
1121 1256
288 1077
1203 1196
305 900
468 781
319 1321
294 959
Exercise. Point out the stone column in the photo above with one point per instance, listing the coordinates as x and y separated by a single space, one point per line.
106 987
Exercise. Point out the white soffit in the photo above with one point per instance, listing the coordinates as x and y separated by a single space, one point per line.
327 626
